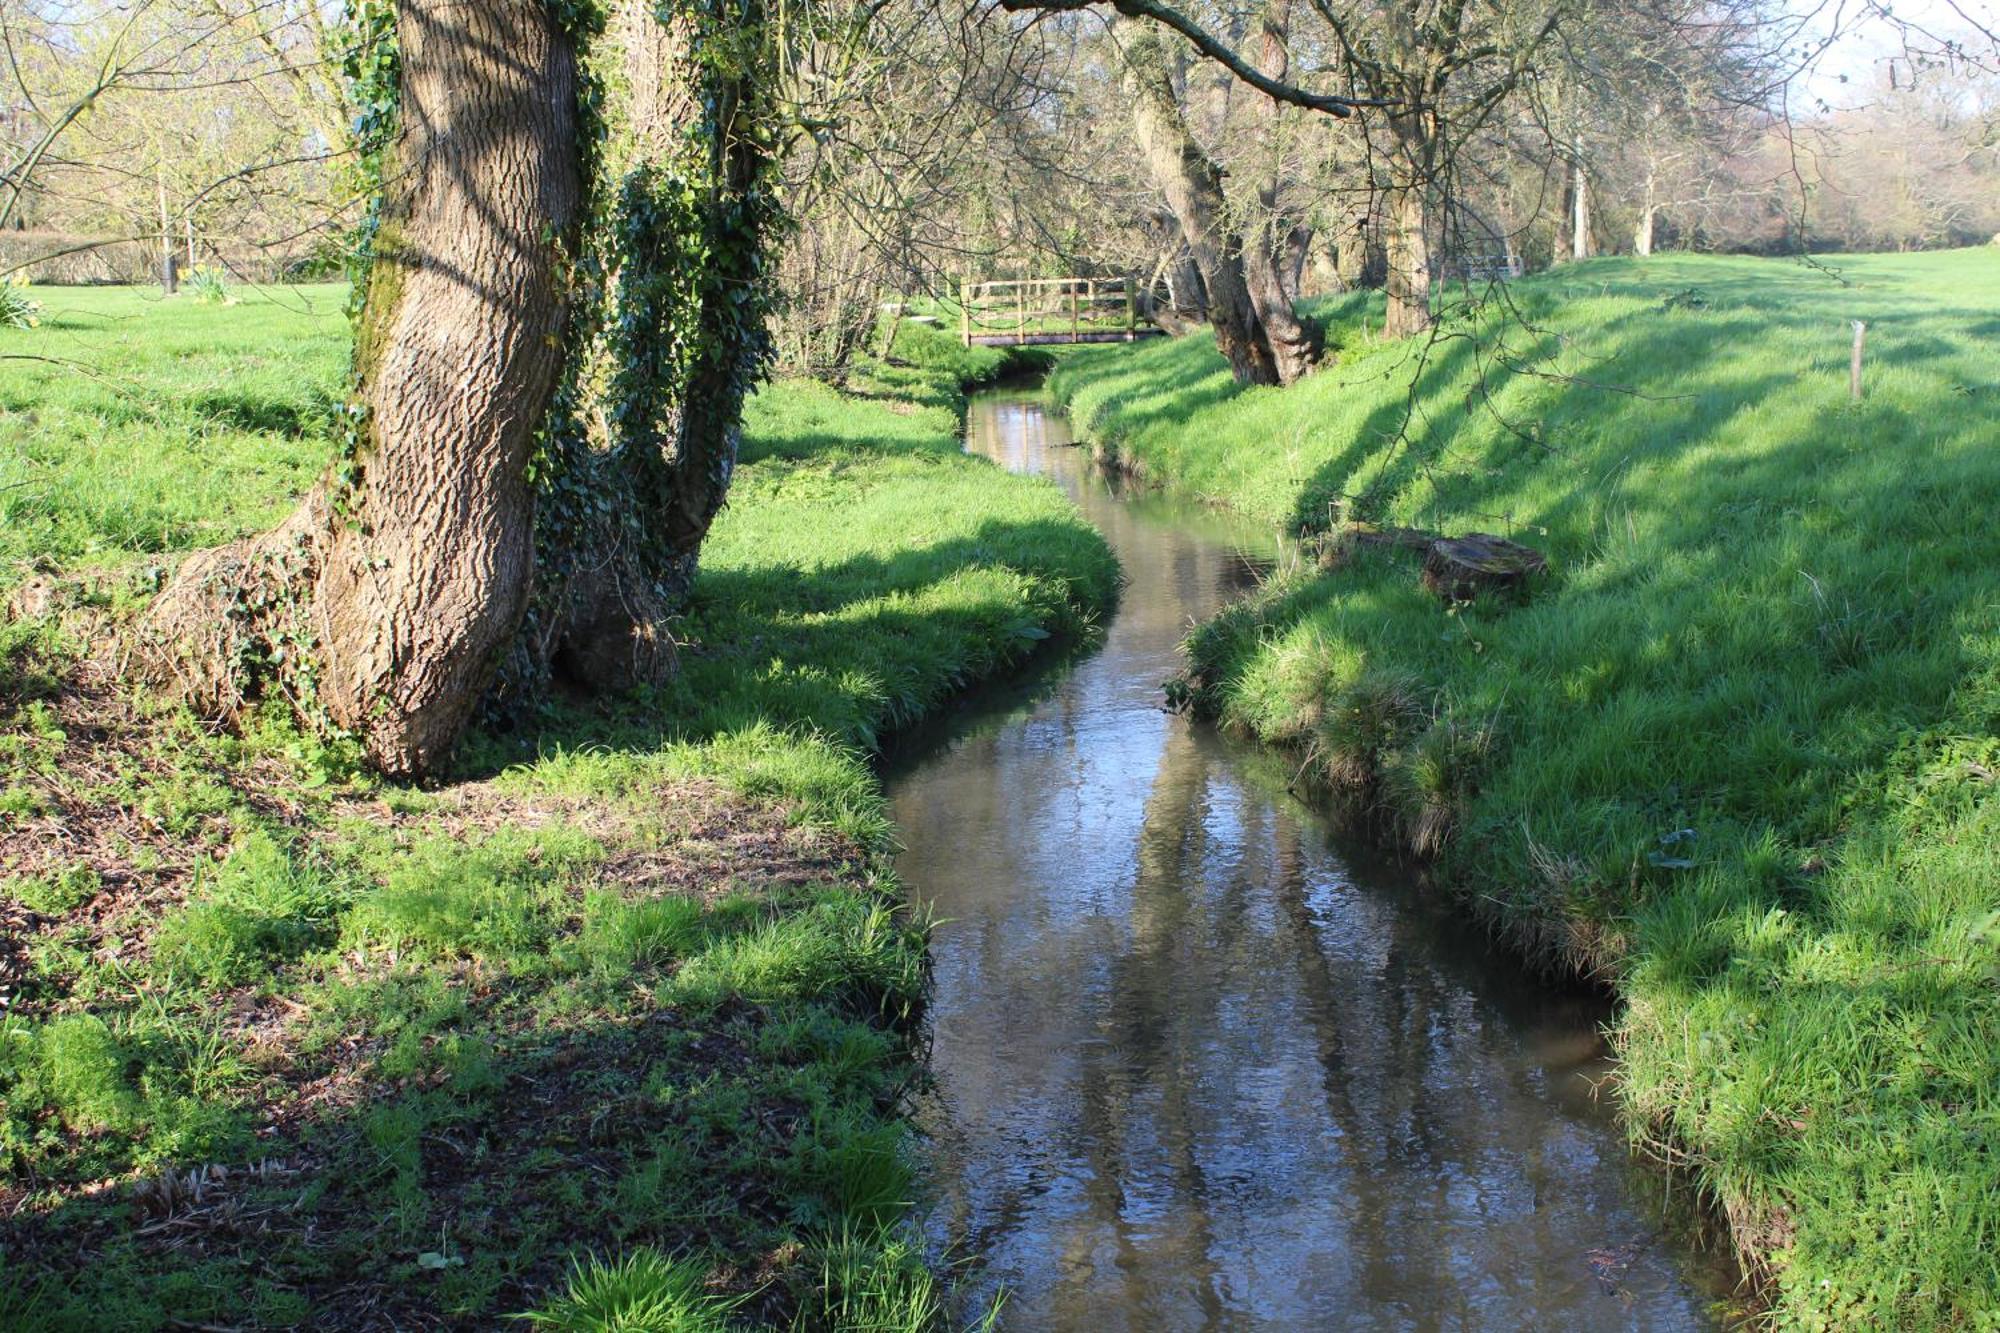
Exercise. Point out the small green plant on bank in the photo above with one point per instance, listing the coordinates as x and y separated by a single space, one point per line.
281 1042
17 310
1737 754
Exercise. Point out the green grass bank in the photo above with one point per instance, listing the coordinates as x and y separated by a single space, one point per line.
1737 751
611 1025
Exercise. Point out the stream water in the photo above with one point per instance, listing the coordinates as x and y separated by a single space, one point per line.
1197 1065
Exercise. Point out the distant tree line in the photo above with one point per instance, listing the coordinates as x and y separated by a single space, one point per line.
930 139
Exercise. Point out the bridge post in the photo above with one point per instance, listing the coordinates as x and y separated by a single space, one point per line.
1131 310
965 312
1074 333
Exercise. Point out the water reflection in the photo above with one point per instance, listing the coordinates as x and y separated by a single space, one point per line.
1195 1072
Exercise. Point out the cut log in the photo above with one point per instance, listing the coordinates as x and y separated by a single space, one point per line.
1460 568
1409 539
1338 545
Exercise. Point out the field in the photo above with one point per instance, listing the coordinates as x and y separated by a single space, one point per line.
1737 752
614 1018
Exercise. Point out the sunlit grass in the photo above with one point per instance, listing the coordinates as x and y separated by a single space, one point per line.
1739 748
119 407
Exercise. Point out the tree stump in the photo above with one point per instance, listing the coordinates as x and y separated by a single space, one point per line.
1460 568
1337 546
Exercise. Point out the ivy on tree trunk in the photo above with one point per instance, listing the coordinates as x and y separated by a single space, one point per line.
640 452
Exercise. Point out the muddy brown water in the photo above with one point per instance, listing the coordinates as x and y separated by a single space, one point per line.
1199 1066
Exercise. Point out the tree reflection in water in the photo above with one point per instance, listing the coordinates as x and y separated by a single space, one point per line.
1193 1071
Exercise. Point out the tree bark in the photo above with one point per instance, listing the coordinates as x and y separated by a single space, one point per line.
1189 294
1579 242
1297 252
1642 236
1293 350
391 593
169 268
1409 252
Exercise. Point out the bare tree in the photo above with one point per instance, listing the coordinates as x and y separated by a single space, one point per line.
200 129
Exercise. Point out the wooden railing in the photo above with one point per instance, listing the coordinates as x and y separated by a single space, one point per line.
1025 311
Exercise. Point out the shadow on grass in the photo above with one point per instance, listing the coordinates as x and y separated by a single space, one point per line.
457 1192
244 411
854 650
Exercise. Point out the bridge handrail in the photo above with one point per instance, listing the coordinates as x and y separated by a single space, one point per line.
1001 306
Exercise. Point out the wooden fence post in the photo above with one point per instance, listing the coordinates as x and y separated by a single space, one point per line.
1131 309
1075 332
1854 362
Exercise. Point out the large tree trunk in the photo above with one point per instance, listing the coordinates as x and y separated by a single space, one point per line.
646 447
390 595
1409 254
1192 185
1406 224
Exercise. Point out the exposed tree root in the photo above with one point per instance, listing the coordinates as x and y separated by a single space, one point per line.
237 620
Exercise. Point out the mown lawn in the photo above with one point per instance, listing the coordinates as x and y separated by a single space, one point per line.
1739 750
614 1019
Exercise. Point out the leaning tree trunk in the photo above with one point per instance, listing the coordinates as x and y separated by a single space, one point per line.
1293 349
646 441
386 600
1193 187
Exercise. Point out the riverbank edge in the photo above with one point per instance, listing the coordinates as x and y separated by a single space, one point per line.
802 945
1574 946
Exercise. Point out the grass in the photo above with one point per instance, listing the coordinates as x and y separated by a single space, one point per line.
114 410
1738 751
612 1027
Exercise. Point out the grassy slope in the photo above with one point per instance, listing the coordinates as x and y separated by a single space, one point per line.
1741 747
281 1040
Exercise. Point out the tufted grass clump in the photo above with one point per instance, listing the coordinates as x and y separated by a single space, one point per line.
642 1292
262 906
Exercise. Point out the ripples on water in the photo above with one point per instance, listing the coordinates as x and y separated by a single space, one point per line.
1192 1069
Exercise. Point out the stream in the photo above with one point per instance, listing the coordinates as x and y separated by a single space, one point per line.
1199 1064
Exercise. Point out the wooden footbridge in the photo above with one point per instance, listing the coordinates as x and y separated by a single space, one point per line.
1027 312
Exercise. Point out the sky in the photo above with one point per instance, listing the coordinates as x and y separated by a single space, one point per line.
1866 43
